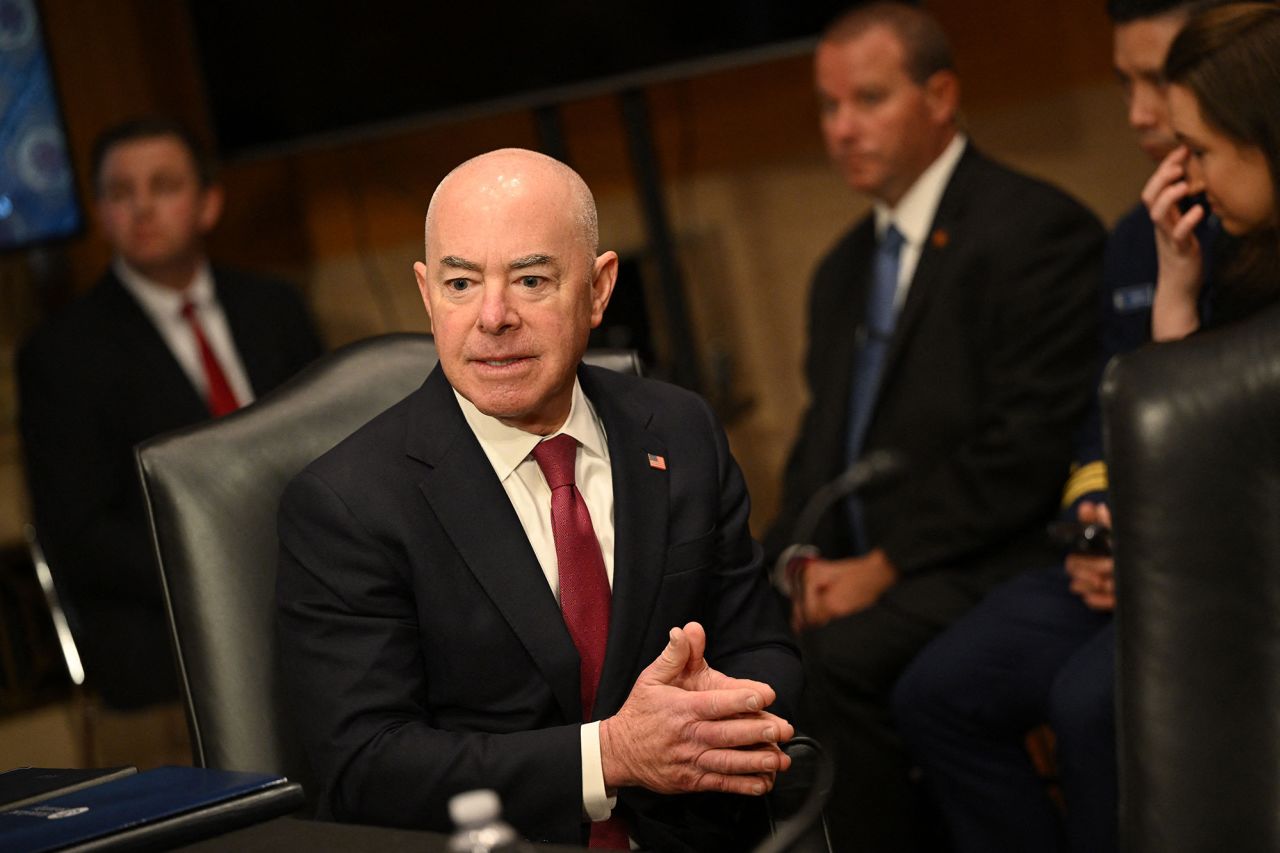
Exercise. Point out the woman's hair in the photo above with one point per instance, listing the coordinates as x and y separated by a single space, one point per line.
1228 57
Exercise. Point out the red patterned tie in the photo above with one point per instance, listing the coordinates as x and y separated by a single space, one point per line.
221 400
584 589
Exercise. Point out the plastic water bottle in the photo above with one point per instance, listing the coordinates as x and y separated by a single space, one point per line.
481 829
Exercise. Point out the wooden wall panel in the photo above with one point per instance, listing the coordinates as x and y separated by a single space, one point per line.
752 202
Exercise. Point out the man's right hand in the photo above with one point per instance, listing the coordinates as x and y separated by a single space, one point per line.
686 727
1093 576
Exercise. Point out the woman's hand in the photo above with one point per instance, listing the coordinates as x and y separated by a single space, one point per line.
1175 311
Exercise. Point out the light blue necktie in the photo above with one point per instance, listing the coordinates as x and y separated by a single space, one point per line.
872 345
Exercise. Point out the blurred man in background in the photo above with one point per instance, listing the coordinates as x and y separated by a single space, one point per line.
955 328
161 341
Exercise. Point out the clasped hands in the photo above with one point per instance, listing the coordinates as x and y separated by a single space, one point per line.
823 590
1092 576
686 727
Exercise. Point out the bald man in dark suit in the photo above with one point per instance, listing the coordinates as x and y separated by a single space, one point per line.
445 627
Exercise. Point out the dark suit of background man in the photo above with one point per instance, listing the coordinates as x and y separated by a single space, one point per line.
431 616
985 368
123 364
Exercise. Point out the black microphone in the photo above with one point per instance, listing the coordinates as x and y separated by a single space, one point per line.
875 469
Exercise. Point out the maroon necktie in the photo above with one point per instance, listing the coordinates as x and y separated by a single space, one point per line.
221 400
584 589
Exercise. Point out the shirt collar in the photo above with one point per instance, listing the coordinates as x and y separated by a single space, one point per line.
913 215
163 301
508 446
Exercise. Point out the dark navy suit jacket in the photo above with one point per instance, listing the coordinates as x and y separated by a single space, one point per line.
425 653
990 368
95 381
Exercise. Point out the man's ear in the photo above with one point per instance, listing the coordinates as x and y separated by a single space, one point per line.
212 199
942 93
602 282
420 274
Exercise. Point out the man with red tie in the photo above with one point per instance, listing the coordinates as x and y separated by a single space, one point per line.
161 341
532 575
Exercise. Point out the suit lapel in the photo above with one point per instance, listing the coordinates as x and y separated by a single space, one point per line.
474 509
849 313
254 350
640 509
934 264
239 319
149 356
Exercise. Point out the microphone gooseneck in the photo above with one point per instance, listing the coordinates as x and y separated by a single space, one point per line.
875 469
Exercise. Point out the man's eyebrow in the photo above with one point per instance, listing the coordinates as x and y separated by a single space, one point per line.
459 263
534 260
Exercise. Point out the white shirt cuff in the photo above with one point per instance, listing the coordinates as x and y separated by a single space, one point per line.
596 803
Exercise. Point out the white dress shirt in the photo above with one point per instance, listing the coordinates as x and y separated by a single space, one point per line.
914 213
163 306
510 452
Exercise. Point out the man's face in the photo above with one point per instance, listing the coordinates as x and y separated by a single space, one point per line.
512 290
882 129
151 204
1139 51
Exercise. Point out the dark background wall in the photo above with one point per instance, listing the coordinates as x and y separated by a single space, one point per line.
751 201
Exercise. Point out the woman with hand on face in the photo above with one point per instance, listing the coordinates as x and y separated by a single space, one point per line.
1223 73
1029 652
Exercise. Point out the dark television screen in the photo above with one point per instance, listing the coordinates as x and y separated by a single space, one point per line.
278 72
37 188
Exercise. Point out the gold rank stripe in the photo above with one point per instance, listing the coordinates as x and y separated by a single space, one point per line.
1083 480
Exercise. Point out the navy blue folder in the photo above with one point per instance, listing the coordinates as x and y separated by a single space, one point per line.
149 810
25 785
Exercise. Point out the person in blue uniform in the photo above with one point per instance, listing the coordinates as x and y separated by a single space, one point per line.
1041 647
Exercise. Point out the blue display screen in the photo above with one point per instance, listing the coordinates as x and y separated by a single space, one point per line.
38 199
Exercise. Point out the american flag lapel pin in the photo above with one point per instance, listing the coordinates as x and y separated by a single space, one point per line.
656 461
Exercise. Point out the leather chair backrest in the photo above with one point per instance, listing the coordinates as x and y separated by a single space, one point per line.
1193 448
212 492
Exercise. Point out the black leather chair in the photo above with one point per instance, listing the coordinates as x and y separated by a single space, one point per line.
212 491
1193 442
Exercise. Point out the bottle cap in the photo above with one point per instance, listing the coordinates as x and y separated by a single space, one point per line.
472 807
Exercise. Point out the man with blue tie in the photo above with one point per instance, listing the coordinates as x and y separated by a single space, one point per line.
955 327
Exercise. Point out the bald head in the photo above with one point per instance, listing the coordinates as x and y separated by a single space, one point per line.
518 172
513 285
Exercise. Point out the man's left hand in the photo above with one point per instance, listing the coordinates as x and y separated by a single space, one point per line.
829 589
